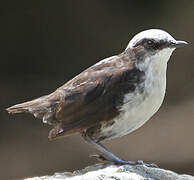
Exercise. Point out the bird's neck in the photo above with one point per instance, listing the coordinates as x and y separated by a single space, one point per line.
155 64
155 68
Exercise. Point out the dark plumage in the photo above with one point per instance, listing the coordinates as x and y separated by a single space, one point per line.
89 99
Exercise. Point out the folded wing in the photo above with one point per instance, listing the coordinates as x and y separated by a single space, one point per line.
91 98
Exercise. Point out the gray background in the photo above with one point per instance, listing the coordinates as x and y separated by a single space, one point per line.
44 43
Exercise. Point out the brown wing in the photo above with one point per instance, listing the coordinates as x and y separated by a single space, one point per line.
90 98
94 96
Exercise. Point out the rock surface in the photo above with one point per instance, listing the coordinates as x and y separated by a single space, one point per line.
113 172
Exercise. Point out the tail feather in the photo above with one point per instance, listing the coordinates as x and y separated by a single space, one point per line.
20 108
16 109
26 106
42 108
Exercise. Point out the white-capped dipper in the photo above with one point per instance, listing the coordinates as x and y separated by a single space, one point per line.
111 98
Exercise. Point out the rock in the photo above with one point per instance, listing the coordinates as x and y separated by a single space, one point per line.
115 172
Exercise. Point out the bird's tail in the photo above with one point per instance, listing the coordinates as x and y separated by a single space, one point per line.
42 108
20 108
26 107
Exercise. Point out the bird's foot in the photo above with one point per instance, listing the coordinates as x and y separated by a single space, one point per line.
104 159
140 162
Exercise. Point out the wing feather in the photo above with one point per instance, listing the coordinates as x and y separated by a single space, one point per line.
89 99
94 96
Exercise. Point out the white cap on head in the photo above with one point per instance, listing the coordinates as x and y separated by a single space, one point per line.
151 33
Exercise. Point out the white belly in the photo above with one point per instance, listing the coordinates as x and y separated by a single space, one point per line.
139 106
135 114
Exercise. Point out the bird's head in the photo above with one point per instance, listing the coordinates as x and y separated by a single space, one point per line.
155 42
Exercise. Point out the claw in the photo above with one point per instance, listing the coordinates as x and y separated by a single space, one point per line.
140 162
152 165
103 159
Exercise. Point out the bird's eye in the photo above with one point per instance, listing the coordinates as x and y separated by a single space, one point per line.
150 42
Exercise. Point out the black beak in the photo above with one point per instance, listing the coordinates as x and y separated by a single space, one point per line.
178 44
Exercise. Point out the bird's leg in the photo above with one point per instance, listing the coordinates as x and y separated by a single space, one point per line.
110 157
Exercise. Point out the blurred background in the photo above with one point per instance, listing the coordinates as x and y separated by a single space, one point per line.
44 43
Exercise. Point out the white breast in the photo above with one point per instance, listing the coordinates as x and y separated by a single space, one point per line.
139 107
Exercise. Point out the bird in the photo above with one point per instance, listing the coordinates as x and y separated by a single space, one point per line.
113 97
